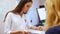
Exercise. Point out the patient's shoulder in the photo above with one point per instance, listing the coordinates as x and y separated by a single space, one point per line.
53 30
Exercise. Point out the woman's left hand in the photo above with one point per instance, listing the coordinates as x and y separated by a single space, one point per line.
40 28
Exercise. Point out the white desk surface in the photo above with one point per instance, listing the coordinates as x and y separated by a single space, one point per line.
36 32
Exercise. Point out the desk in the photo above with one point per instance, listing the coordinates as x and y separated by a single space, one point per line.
36 32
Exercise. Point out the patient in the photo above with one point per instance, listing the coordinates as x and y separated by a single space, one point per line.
52 25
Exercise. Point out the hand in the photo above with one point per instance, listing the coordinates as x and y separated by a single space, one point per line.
37 28
40 28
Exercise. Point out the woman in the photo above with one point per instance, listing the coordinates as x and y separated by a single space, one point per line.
53 17
15 21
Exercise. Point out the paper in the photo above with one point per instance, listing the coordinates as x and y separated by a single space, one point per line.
36 32
42 13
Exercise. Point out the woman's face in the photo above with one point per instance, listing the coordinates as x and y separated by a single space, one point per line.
26 7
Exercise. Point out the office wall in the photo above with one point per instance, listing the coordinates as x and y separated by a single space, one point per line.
5 6
42 2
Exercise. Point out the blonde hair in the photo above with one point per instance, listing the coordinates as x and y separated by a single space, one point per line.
53 13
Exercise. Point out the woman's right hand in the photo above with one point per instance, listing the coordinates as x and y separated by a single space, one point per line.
40 28
19 32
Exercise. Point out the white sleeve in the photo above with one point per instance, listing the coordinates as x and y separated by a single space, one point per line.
7 24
